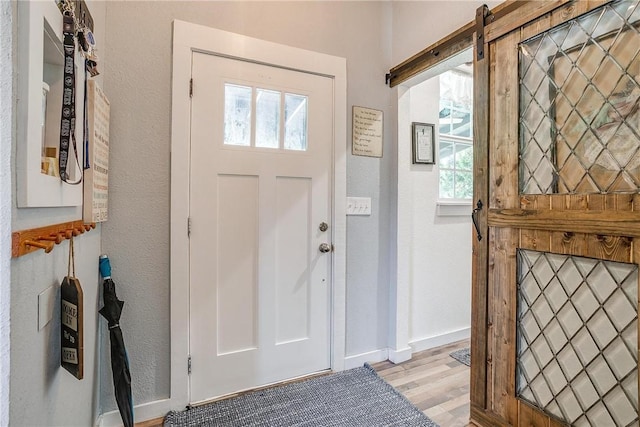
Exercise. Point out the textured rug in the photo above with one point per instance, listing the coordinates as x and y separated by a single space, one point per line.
462 356
357 397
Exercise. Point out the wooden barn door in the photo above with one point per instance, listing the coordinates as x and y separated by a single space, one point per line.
557 165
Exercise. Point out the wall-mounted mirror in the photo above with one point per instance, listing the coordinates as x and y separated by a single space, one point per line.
40 76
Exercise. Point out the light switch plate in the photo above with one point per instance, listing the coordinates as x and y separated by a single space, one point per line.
46 301
358 205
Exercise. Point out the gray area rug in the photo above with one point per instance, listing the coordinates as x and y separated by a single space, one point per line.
357 397
462 356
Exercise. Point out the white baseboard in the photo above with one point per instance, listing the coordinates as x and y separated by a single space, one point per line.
438 340
358 360
144 412
398 356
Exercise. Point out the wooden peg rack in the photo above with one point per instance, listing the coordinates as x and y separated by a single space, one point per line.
31 240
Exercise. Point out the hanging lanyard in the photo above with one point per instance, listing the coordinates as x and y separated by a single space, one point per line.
68 116
85 120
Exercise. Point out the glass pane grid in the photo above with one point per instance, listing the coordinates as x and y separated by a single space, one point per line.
455 166
579 104
280 120
577 347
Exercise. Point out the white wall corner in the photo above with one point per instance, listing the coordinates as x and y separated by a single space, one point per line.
399 298
6 120
399 356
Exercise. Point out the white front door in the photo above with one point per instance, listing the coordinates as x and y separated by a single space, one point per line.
260 188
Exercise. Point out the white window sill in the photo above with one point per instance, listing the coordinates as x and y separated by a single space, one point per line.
453 207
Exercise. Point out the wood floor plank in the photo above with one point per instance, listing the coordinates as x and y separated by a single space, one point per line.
434 382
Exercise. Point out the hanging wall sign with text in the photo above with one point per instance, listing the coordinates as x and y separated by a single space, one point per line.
72 325
96 178
367 132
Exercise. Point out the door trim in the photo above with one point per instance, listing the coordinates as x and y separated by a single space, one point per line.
188 38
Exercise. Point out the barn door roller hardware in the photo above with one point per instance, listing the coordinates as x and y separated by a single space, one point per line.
476 33
482 13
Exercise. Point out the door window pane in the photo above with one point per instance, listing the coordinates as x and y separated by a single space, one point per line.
295 114
237 115
267 118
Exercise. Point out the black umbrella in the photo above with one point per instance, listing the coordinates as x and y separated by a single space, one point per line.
119 361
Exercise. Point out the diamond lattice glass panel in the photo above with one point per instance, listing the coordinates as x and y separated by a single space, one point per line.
577 338
237 115
579 104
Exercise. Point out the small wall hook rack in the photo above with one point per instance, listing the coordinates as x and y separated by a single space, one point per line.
33 239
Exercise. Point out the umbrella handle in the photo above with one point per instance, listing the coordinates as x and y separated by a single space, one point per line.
105 267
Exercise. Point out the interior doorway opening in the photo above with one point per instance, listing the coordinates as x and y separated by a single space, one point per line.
434 218
434 203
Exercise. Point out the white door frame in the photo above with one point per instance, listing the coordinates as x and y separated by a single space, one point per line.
188 38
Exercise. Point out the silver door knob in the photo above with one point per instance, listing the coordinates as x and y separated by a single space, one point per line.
324 248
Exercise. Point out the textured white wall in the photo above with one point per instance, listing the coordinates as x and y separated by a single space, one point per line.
440 246
138 82
42 393
6 130
418 24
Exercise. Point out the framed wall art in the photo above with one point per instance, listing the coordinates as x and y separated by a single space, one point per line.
423 143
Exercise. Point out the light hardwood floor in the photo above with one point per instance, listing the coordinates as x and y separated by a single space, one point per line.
434 382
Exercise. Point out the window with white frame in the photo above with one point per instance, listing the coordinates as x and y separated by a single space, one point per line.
264 118
455 153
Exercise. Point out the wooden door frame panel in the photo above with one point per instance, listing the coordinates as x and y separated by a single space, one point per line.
616 223
480 246
532 17
541 223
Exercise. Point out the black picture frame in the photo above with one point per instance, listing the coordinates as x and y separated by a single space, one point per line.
423 145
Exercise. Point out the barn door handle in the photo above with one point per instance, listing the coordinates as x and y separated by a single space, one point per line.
474 218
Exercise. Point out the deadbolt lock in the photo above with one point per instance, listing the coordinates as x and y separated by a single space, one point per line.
324 226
